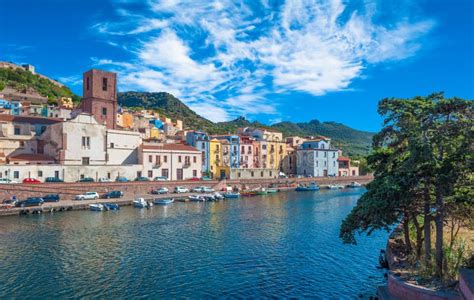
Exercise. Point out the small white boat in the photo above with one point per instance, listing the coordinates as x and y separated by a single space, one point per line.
140 203
197 198
354 184
335 186
163 201
218 196
96 207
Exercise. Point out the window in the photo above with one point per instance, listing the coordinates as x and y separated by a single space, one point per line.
158 159
22 144
325 163
16 130
264 147
150 173
261 174
40 173
238 174
139 173
164 173
150 158
333 163
104 84
165 158
108 175
252 173
16 174
271 173
179 158
112 145
56 174
203 145
195 173
87 83
104 111
194 159
317 153
334 154
86 142
85 161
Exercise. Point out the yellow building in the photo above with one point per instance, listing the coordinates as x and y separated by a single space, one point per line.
155 133
66 102
125 120
276 152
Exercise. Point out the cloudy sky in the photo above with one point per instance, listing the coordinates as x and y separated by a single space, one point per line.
267 60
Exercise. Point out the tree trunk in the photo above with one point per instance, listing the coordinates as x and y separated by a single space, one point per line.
419 237
439 219
406 233
427 226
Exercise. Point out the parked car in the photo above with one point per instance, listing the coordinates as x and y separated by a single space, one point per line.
7 181
86 179
202 189
53 179
160 178
121 179
142 179
105 179
194 179
51 198
160 191
87 196
113 194
31 201
31 180
180 189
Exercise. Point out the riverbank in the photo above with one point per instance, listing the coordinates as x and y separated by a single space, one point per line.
132 190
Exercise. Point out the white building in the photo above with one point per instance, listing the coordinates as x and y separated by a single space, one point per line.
173 161
317 158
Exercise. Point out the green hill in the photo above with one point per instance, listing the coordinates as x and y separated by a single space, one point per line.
353 142
15 79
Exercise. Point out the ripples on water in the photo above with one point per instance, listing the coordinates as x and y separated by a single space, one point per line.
283 245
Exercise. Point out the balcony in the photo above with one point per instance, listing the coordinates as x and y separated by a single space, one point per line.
157 165
186 164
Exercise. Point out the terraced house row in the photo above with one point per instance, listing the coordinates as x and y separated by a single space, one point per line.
94 143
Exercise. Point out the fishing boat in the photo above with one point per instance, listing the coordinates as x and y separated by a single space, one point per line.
197 198
335 186
230 195
272 190
218 196
261 191
354 184
163 201
111 206
307 188
248 193
140 203
96 207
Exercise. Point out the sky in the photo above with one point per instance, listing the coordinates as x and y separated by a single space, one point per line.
271 61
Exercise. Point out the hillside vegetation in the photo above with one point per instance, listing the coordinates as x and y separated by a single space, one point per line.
25 82
354 142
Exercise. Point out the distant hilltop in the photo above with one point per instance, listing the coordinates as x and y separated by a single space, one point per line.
24 84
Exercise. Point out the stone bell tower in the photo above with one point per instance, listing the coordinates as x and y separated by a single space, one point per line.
99 96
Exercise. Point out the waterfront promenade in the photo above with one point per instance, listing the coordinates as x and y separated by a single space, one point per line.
133 190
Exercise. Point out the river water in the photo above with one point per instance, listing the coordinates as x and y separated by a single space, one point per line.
281 245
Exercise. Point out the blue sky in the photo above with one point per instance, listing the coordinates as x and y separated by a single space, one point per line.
294 60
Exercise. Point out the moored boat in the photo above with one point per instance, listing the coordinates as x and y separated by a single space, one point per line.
248 193
354 184
335 186
140 203
111 206
272 190
307 188
96 207
163 201
197 198
230 195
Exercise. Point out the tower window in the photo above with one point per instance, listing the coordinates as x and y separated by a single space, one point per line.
87 82
104 84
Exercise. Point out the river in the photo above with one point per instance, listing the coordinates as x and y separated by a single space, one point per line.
281 245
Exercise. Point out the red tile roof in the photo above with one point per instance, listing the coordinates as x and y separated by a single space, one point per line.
30 157
343 158
29 119
171 147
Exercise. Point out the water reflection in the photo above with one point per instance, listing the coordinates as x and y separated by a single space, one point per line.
283 245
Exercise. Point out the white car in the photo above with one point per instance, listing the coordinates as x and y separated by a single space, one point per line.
180 189
161 190
7 181
202 189
105 179
87 196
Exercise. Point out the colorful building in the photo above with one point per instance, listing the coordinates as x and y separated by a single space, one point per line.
317 158
200 140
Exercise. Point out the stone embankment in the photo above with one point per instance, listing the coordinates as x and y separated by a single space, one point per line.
398 288
131 190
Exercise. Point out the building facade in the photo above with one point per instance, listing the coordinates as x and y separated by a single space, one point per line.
317 158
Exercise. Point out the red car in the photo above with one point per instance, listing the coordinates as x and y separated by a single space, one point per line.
31 181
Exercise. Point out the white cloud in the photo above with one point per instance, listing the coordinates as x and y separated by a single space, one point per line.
225 57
